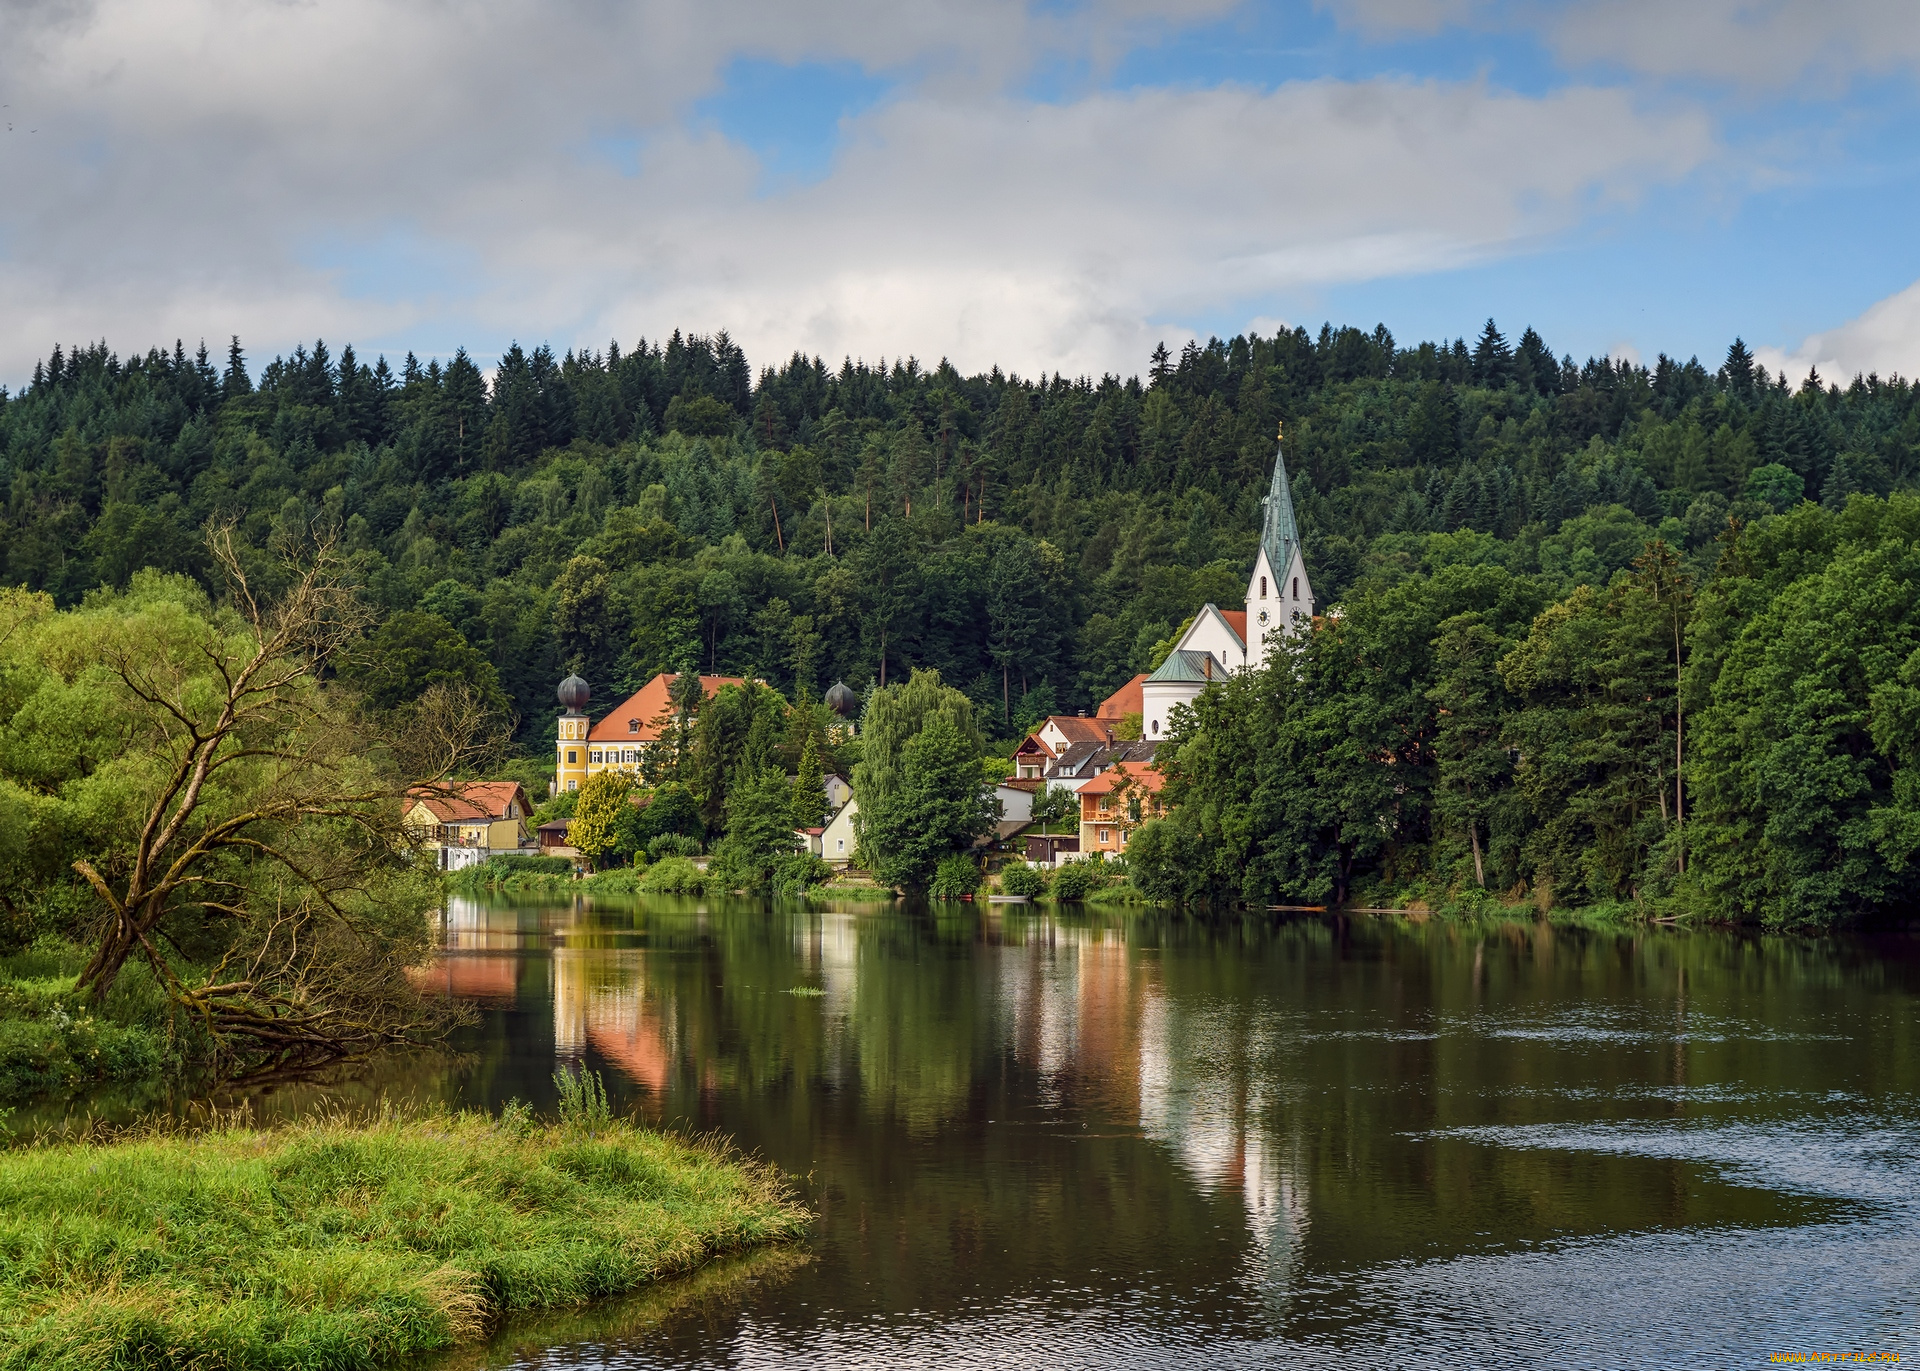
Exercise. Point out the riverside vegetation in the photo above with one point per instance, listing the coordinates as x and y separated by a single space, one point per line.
1636 638
352 1246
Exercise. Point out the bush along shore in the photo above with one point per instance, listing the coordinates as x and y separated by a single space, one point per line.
345 1246
53 1038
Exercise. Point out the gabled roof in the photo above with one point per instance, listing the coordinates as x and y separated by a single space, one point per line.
649 707
1127 700
1075 759
1234 620
471 802
1184 665
1142 773
1079 730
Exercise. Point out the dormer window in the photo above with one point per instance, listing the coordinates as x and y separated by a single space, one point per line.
633 725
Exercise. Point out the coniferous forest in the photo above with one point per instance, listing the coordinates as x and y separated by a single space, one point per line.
1592 634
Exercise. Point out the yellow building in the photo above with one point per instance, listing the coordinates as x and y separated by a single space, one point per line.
468 821
570 751
619 742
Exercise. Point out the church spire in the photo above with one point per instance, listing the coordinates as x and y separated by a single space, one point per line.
1279 532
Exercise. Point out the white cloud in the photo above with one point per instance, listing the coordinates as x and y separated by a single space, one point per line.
191 157
1884 339
1753 43
1747 43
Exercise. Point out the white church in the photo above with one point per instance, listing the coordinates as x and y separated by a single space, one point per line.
1221 641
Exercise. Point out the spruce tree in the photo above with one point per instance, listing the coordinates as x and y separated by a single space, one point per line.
809 787
236 381
1492 359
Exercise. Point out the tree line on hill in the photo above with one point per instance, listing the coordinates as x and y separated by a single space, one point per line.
1039 540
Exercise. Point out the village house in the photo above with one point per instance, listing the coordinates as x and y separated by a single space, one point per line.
1116 802
620 740
837 839
465 822
1218 642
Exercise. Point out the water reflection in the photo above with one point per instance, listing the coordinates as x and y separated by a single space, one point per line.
1036 1139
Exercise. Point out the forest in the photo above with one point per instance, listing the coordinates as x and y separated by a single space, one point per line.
1591 632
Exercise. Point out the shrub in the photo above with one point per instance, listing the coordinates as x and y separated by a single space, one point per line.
666 845
955 876
794 873
544 866
1076 881
1021 878
676 875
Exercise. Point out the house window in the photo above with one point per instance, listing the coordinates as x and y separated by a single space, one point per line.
1296 587
1263 587
633 725
593 757
1156 725
1106 803
1106 835
573 785
573 759
839 844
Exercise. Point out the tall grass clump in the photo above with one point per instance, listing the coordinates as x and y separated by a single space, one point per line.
336 1245
583 1099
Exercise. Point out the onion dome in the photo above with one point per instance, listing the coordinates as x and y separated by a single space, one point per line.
574 693
841 700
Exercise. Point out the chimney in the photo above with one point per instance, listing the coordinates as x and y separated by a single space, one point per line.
1207 666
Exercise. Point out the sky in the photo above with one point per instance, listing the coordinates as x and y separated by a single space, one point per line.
1046 185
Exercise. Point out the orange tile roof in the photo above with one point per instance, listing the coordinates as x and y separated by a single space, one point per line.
1237 621
471 801
1129 699
1142 772
641 717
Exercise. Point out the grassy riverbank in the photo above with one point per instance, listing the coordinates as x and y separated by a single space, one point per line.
54 1039
342 1246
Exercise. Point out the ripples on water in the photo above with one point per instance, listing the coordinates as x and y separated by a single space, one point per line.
1049 1141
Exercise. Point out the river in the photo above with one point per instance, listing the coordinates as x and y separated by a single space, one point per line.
1133 1140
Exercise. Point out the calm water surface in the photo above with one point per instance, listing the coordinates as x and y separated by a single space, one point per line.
1083 1141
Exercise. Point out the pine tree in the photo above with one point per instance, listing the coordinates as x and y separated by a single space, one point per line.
1738 372
809 787
236 381
1492 359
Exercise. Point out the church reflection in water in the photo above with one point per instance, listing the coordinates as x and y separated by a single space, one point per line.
930 1027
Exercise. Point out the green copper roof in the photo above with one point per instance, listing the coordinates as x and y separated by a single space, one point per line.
1187 665
1280 532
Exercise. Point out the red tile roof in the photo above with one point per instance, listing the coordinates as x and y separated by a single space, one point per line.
1129 699
1237 621
1078 730
471 801
646 711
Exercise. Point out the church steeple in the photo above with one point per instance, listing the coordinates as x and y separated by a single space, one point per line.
1279 597
1280 532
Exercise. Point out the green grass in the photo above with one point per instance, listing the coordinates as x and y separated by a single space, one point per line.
834 890
335 1245
54 1039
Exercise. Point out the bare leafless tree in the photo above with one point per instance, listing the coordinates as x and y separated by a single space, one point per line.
276 807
